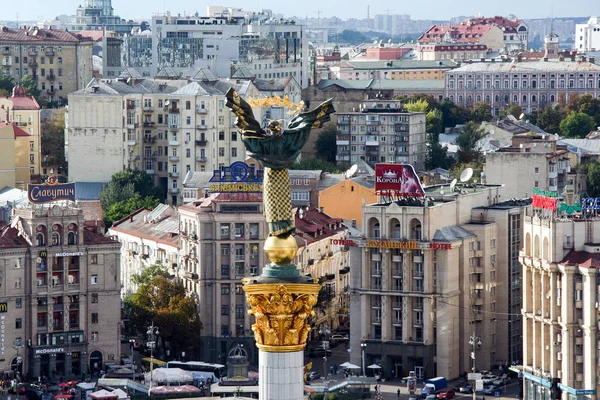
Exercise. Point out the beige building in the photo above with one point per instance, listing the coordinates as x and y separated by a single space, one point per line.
426 276
534 161
9 137
379 131
61 294
60 61
25 112
560 303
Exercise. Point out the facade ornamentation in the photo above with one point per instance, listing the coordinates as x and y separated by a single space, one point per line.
282 312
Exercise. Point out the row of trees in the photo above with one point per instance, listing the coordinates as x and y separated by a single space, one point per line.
128 191
162 300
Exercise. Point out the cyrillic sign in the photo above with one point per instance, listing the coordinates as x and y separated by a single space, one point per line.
397 180
239 177
543 199
49 192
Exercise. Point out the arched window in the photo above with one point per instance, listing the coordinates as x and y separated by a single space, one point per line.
533 98
524 98
394 229
71 238
552 98
536 247
478 98
374 228
39 240
487 98
496 98
528 244
415 229
460 98
56 235
545 249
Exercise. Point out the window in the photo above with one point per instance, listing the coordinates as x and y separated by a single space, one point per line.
94 279
239 288
94 318
94 259
94 297
225 289
18 323
95 336
225 271
188 105
18 302
493 243
239 311
18 283
224 310
233 152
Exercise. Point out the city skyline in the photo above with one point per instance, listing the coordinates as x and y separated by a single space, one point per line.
438 10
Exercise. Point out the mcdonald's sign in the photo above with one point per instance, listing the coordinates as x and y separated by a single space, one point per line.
3 307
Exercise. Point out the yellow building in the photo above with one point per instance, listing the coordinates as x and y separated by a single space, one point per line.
25 112
346 198
9 135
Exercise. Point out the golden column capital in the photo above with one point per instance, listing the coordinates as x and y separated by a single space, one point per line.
282 311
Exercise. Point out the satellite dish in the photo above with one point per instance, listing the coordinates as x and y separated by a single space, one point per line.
466 175
350 173
521 116
167 102
390 40
452 184
492 132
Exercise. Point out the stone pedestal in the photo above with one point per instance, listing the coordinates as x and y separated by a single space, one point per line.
281 375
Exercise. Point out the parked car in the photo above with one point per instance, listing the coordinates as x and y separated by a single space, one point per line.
318 352
488 379
431 397
312 375
491 389
465 388
446 394
339 339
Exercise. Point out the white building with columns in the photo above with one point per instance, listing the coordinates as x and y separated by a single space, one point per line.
148 237
561 293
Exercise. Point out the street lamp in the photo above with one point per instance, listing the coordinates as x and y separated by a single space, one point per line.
152 331
363 347
475 343
18 345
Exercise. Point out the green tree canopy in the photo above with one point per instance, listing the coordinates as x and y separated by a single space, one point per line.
467 141
7 84
419 105
577 125
453 114
30 86
349 36
123 208
437 155
149 273
592 171
515 110
326 144
549 118
482 111
164 302
435 121
53 139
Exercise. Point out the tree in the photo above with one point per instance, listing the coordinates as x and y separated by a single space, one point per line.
549 118
591 169
53 139
468 146
437 155
149 273
310 163
6 86
350 36
453 114
326 144
432 103
459 168
420 105
435 121
577 125
30 86
481 112
515 110
142 182
123 208
164 302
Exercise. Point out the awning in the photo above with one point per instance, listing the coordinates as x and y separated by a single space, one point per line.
156 361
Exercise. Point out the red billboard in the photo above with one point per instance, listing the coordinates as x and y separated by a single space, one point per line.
397 180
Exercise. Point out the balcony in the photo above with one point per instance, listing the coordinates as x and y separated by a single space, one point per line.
376 257
174 110
5 52
201 142
201 127
342 157
173 142
201 159
418 259
174 158
372 152
372 143
174 174
50 53
149 124
131 142
396 258
33 52
372 123
200 110
397 272
342 142
148 109
149 139
150 171
51 77
32 63
174 190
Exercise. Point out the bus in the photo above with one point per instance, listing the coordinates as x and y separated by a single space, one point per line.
203 372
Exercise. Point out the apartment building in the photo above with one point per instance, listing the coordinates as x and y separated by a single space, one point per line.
61 294
25 112
268 47
10 135
533 162
587 36
164 127
393 69
466 32
560 297
379 131
533 85
424 276
148 237
60 61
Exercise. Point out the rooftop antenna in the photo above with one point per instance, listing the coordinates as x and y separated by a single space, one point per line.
466 175
350 173
452 184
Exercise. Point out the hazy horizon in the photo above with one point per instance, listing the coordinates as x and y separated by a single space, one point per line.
436 10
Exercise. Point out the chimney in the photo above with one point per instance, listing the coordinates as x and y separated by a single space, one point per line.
592 59
545 59
131 218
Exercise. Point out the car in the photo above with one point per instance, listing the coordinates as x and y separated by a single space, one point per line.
431 397
339 339
318 352
492 389
465 388
446 394
312 375
488 379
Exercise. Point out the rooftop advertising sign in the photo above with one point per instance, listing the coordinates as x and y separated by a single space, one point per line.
239 177
544 199
397 180
50 191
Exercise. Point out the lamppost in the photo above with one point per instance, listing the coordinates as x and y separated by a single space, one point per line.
325 345
363 347
475 343
152 331
18 345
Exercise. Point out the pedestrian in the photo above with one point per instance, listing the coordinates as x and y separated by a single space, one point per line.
398 393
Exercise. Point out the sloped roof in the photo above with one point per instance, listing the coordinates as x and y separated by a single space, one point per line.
131 72
305 173
10 238
40 35
160 225
402 64
197 179
587 146
204 74
452 233
18 132
582 259
272 85
243 73
167 73
88 190
527 67
389 84
314 221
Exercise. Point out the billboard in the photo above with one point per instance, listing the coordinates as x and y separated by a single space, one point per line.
544 199
397 180
50 191
238 177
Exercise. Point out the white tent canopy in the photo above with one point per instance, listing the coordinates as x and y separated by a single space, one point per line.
170 375
349 366
374 366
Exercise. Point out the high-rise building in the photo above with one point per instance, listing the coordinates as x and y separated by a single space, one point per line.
60 61
379 131
587 36
560 299
268 47
60 293
98 15
427 275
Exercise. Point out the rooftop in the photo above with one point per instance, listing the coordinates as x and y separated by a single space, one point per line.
35 34
525 67
160 225
313 225
582 259
401 64
382 84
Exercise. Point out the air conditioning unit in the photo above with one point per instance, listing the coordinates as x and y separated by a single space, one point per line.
558 337
559 356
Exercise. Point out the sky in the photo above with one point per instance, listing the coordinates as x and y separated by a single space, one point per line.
28 10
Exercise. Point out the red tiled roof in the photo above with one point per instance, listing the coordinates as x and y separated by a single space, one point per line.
90 236
94 35
314 221
583 259
10 239
17 131
460 33
39 35
24 103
